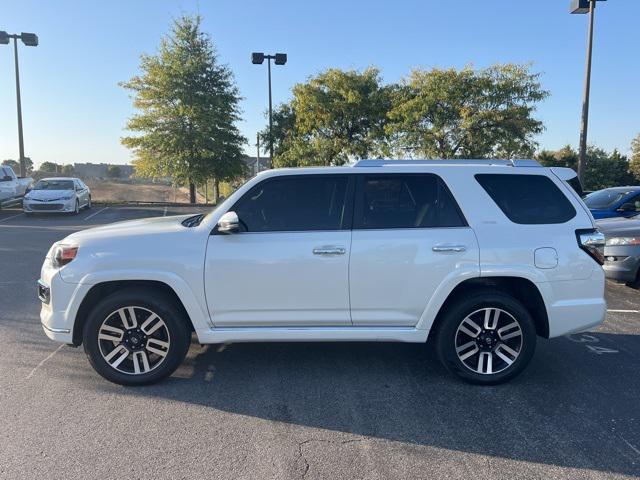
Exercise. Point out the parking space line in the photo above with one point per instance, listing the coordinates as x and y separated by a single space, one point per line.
623 311
94 214
9 218
165 211
44 361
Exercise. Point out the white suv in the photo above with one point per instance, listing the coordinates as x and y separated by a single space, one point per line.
476 257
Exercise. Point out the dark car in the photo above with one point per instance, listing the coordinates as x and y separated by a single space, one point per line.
622 249
614 202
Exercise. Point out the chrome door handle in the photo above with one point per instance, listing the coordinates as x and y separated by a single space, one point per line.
329 251
449 248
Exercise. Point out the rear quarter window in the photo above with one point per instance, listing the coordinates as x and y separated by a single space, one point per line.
527 199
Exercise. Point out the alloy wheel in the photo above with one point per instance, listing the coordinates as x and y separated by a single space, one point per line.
488 340
134 340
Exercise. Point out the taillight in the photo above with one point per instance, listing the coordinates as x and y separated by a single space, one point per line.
63 254
592 242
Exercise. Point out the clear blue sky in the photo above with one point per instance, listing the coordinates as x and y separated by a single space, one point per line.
74 110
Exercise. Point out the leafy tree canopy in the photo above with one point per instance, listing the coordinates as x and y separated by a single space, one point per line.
48 167
333 117
467 113
15 165
634 163
188 107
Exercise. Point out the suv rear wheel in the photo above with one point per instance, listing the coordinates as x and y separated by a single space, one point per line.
136 337
487 338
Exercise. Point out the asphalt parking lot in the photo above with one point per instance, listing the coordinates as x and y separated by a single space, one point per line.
318 411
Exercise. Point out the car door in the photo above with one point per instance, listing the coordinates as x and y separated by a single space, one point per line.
409 237
289 264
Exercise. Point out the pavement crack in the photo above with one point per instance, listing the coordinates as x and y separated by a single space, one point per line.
302 444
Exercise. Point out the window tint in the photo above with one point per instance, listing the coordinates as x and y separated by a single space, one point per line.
527 199
405 201
296 203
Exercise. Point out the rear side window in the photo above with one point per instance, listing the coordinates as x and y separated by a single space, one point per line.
295 203
528 199
405 201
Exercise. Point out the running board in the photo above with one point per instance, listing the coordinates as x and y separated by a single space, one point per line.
311 334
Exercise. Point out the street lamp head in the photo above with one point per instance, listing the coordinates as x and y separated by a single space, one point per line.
281 58
257 58
581 6
4 38
29 39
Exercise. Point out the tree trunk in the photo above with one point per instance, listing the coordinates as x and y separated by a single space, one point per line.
192 192
216 191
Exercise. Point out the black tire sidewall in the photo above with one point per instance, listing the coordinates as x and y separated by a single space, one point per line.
445 337
170 314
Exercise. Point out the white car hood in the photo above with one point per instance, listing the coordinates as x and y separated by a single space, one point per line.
49 194
130 228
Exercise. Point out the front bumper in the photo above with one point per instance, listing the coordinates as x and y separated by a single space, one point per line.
622 262
59 314
57 206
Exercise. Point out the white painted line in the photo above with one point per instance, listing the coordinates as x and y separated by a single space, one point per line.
9 218
43 361
624 311
94 214
165 211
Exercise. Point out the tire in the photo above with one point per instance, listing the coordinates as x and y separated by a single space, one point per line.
77 209
88 207
477 347
153 350
635 283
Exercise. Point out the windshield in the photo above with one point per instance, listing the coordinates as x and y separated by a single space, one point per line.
606 198
54 185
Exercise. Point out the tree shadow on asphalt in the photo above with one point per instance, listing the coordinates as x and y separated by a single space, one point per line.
573 407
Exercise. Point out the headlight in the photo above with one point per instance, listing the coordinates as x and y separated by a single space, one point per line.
63 254
68 197
615 241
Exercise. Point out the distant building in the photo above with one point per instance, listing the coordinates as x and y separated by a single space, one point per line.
99 170
252 164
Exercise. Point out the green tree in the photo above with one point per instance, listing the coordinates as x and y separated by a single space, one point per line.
188 108
68 170
603 169
15 165
467 113
113 171
333 117
49 167
634 163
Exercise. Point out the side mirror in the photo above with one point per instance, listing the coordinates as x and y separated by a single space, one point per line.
6 178
627 207
27 190
229 223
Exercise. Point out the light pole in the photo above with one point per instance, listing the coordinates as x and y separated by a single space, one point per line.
280 59
30 40
585 6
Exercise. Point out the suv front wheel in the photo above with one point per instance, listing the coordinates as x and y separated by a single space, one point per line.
486 338
136 337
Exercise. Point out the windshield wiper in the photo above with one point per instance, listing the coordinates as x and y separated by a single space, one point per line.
193 221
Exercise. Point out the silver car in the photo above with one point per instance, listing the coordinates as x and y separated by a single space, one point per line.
58 194
622 248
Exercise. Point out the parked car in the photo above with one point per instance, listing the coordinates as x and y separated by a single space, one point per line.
59 194
12 187
614 202
479 257
622 249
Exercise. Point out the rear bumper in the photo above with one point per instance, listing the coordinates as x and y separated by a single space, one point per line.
575 305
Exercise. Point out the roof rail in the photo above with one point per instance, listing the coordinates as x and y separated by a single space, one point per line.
452 161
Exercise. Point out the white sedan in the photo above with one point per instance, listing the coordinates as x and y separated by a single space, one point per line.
57 195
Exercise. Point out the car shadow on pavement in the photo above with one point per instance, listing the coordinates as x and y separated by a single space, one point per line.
573 407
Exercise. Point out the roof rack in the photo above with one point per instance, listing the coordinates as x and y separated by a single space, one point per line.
453 161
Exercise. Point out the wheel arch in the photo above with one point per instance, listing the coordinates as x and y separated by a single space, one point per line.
101 290
522 289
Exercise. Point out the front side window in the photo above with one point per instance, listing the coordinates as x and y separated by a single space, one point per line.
405 201
528 199
295 203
